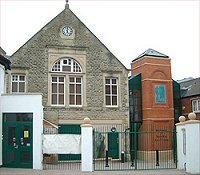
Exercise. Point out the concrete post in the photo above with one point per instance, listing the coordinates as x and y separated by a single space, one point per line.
188 145
86 146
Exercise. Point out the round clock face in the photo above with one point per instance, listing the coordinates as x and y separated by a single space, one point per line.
67 31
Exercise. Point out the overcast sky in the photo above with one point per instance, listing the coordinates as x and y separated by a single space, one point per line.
127 28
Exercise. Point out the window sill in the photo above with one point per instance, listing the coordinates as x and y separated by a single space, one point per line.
111 106
196 112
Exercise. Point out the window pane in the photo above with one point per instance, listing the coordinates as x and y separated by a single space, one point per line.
61 99
114 100
113 81
107 81
54 99
54 88
108 100
78 88
71 88
54 79
21 87
71 79
194 105
198 105
107 89
78 100
78 80
114 90
61 79
22 78
67 68
14 87
71 100
61 88
14 78
65 61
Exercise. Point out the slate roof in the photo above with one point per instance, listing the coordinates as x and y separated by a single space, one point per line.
189 87
151 52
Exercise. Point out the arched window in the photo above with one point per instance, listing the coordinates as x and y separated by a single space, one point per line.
66 65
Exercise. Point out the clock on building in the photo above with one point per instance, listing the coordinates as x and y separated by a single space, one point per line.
67 31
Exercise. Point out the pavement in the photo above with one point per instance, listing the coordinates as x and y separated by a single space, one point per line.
19 171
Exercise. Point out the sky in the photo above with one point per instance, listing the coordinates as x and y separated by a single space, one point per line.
127 28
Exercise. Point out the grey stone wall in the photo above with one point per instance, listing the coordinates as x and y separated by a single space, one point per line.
33 56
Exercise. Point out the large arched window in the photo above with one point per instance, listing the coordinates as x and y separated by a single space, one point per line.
66 89
66 65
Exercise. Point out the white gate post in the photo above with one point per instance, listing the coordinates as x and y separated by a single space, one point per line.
188 144
86 146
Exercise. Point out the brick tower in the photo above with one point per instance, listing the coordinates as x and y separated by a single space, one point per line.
157 100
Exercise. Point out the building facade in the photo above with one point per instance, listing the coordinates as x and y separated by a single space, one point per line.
76 73
190 96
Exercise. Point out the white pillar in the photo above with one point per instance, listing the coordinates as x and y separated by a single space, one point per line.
193 147
86 146
181 146
188 144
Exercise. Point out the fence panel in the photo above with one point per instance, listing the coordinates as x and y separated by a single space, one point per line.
125 150
61 148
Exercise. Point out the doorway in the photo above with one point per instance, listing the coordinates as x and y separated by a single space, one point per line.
113 145
18 140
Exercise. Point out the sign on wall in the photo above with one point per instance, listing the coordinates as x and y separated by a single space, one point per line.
160 94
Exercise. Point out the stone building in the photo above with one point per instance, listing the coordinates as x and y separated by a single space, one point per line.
76 73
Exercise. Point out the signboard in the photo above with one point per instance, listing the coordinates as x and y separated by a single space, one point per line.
160 94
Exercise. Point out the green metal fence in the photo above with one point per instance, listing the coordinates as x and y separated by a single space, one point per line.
134 150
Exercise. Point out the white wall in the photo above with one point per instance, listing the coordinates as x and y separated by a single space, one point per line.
193 148
181 157
26 103
189 161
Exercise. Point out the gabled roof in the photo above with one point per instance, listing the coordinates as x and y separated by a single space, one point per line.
190 87
151 52
68 11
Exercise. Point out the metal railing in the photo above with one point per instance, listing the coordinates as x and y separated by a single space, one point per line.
60 161
134 150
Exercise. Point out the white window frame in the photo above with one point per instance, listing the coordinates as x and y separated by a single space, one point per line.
18 81
196 105
74 70
57 76
58 66
110 84
75 83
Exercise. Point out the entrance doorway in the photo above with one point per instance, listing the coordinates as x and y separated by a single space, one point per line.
113 145
18 140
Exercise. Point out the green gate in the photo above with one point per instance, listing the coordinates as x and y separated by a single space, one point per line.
138 155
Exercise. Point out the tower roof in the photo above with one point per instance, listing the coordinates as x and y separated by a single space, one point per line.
151 52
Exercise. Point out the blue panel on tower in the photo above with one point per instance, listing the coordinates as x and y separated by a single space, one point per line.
160 94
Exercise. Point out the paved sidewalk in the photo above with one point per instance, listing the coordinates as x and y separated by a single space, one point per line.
19 171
